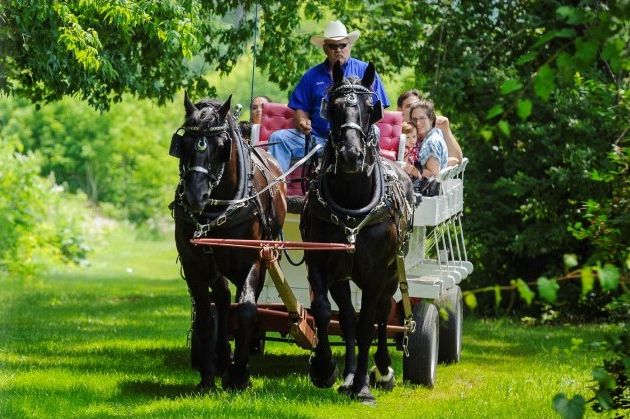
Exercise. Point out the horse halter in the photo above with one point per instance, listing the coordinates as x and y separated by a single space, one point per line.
201 145
368 139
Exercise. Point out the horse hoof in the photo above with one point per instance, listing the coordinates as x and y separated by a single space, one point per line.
365 396
383 382
323 378
346 387
235 380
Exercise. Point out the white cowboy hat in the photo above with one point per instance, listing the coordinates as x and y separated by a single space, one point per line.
335 31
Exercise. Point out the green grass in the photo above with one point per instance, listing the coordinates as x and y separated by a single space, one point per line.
110 341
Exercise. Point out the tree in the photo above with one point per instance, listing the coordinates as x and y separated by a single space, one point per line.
537 90
102 50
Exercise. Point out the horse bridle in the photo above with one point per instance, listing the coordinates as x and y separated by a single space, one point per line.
214 178
368 139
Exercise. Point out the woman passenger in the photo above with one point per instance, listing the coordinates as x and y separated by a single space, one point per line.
439 148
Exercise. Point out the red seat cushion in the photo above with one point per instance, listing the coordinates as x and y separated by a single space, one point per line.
390 127
275 116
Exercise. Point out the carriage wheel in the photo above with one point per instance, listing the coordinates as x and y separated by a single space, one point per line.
420 366
451 327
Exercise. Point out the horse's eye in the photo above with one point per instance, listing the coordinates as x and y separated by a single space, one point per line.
201 145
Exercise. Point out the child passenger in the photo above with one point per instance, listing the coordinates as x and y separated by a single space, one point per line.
411 150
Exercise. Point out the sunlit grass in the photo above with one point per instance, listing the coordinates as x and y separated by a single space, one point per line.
108 341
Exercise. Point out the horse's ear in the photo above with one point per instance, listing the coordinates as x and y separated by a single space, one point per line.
337 73
377 112
225 108
368 76
188 105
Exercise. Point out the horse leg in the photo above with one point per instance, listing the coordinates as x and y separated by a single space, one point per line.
347 320
323 371
365 334
221 293
382 375
237 375
202 350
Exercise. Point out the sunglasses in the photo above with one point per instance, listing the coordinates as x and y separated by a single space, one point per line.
336 46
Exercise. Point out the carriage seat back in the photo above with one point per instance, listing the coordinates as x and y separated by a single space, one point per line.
277 116
392 145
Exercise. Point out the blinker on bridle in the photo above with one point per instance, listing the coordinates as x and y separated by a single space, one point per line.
201 146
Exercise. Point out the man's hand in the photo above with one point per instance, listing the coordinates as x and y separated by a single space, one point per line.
304 125
442 123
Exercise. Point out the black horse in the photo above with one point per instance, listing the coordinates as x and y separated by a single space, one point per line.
361 198
226 190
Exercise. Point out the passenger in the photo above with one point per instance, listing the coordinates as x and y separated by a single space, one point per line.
405 100
254 116
311 89
411 150
435 150
256 108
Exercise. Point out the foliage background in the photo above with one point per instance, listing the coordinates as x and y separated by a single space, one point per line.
537 92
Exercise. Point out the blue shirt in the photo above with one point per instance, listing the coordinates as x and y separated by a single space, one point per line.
433 145
314 84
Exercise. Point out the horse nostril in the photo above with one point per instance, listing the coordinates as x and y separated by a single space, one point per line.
204 195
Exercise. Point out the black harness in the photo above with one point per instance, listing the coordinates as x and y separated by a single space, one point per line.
219 214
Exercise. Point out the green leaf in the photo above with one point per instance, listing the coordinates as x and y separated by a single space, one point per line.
608 277
569 408
565 65
497 296
586 51
588 281
570 14
504 126
544 83
565 33
604 379
548 289
511 85
525 292
470 300
494 111
486 134
524 108
525 58
570 260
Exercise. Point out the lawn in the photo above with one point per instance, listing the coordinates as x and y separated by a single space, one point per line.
109 340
